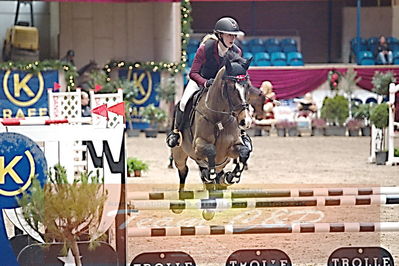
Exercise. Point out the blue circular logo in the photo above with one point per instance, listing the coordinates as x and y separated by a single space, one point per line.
21 160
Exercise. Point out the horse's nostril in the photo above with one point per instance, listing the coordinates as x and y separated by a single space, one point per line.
242 123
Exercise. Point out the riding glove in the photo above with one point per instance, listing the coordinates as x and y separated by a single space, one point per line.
209 83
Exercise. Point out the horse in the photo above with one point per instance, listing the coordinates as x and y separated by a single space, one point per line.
213 139
84 74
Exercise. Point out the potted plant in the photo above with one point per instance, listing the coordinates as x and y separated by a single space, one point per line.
354 126
379 116
153 115
381 81
135 167
362 112
65 212
292 129
318 127
282 127
335 110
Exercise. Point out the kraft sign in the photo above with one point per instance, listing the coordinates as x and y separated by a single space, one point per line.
21 160
24 94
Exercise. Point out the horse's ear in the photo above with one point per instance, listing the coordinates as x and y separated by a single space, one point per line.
228 66
247 63
219 77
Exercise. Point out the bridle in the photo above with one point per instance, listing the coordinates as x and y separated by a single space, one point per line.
234 110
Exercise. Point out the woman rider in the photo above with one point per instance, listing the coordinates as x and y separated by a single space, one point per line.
207 62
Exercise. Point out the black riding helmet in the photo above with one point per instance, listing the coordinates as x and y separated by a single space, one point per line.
226 25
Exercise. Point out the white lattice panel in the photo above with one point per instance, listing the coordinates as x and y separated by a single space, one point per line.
65 105
109 99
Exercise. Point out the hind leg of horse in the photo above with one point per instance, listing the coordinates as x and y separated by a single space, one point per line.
180 159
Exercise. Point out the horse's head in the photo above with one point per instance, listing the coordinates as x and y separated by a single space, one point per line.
236 90
256 98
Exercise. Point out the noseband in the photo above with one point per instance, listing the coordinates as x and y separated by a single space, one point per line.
234 110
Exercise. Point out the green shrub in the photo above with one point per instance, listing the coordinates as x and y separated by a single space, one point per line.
381 81
335 110
379 115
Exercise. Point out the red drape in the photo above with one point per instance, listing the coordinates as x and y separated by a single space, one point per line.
295 82
111 1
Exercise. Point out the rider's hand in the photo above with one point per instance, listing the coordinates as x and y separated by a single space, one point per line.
209 83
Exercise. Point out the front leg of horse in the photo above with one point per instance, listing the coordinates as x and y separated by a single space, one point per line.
205 150
242 152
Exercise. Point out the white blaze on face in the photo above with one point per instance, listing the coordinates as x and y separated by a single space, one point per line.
248 117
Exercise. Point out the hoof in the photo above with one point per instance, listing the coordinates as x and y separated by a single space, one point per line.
208 214
177 211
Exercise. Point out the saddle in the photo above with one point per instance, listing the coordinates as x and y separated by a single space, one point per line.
189 112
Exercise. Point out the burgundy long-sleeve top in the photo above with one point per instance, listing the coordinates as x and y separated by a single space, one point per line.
200 60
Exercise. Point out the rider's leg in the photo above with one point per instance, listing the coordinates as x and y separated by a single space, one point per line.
174 136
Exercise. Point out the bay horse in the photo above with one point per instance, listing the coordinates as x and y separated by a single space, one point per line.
213 138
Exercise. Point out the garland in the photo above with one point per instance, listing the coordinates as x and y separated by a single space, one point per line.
39 66
172 67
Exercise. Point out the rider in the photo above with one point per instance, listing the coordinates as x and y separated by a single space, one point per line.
206 64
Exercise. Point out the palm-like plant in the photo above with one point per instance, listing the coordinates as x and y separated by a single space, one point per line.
64 211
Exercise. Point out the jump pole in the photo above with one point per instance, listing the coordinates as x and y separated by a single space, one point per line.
268 193
264 229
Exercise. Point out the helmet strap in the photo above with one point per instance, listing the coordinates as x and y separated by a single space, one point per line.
219 36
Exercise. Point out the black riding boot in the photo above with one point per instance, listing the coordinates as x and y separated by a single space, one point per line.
246 140
173 137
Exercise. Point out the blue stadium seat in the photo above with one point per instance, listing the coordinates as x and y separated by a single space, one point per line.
262 59
192 46
393 43
272 45
278 59
289 45
295 59
256 45
365 58
372 44
190 59
247 55
246 46
354 48
395 57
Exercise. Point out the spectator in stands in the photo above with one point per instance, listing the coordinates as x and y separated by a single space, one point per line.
69 57
384 54
85 104
306 106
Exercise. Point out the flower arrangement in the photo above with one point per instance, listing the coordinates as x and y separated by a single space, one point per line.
285 124
334 78
354 124
319 123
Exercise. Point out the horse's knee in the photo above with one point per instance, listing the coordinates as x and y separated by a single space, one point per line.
244 153
209 150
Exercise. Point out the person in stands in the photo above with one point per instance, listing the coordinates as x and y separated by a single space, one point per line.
207 62
69 57
85 104
384 54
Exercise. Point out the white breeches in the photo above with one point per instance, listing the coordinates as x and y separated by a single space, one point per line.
188 92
